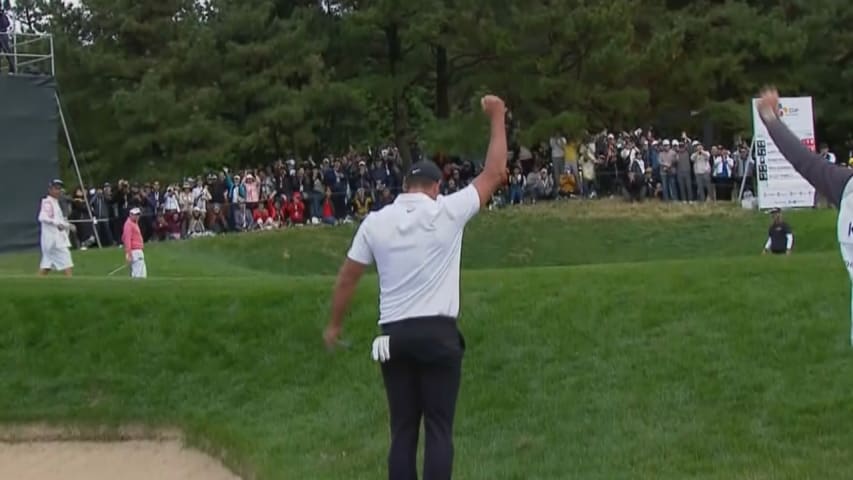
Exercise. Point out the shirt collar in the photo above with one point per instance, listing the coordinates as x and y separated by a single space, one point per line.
418 197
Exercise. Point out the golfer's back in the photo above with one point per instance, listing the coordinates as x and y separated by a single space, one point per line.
416 243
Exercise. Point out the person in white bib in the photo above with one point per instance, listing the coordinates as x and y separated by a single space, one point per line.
55 243
829 180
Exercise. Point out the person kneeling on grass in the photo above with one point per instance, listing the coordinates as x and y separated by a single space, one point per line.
131 238
196 228
284 211
262 218
296 210
780 239
361 204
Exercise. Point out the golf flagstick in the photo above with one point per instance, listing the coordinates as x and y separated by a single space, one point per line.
117 270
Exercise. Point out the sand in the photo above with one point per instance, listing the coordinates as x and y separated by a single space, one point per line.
162 459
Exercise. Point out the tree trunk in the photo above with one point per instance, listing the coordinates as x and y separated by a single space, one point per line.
442 83
399 109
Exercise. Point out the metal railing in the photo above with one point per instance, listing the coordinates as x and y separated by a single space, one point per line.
30 53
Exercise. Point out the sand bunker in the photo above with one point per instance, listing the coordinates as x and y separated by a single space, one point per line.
96 460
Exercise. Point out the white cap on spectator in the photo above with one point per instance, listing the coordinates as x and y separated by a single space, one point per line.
696 142
135 211
675 143
666 143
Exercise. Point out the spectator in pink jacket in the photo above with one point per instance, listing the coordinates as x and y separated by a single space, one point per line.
131 238
253 192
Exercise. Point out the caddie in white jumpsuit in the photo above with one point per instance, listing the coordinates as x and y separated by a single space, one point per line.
55 243
830 181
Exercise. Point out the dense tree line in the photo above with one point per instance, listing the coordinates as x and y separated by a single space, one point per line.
181 85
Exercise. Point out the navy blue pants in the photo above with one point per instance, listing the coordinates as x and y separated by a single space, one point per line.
422 382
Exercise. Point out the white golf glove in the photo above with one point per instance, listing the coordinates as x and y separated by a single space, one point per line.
382 348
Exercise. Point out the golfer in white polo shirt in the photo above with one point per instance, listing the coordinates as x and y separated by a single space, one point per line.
55 243
416 243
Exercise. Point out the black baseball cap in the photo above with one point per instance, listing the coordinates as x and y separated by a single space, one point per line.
425 169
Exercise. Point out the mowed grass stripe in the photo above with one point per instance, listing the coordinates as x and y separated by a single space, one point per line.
712 368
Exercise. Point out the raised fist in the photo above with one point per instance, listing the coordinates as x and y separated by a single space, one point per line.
768 103
493 106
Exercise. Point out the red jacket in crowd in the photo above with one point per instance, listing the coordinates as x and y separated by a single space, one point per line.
261 214
328 208
271 211
285 209
296 209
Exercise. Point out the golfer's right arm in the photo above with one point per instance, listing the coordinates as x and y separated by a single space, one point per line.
829 180
360 255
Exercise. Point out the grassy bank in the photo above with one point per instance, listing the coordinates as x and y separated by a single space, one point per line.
574 233
670 370
710 362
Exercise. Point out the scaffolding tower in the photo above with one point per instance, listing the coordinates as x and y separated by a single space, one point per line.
32 55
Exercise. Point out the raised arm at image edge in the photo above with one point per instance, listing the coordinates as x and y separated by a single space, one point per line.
828 180
494 171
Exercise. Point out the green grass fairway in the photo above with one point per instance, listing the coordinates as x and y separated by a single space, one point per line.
646 342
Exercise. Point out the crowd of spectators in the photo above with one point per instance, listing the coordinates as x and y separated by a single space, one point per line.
636 166
284 194
640 165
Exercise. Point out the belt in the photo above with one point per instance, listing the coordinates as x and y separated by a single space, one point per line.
434 324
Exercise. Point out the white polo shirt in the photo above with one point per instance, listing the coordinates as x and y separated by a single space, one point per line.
416 243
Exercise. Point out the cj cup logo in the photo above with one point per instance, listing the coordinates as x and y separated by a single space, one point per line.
783 110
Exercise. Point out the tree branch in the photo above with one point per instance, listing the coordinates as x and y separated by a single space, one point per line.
463 56
454 70
474 62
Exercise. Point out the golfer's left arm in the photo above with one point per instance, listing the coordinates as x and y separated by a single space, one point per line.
829 180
